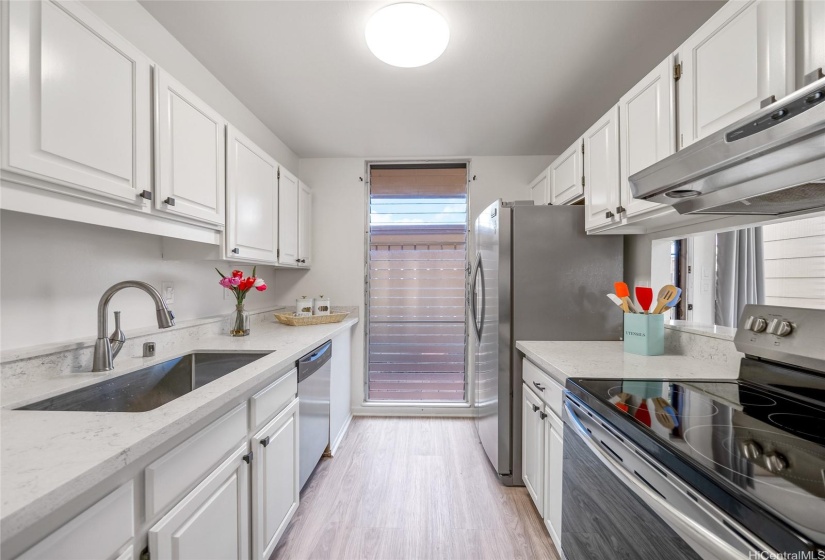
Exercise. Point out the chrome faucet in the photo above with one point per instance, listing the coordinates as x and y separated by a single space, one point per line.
106 348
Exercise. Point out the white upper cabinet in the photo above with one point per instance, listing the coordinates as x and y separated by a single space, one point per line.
190 154
647 114
287 218
78 102
540 189
251 201
810 37
739 58
601 171
565 175
304 225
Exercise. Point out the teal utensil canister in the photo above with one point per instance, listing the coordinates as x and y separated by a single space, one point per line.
644 334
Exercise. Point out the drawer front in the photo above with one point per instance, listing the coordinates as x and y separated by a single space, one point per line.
548 389
177 471
97 533
274 398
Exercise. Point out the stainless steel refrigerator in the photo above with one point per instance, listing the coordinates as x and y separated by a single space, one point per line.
536 276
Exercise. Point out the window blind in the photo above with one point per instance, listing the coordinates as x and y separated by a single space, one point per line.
417 281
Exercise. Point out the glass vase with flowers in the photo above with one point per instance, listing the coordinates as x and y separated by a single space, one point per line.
240 286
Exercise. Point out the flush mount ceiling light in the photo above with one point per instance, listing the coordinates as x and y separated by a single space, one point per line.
407 34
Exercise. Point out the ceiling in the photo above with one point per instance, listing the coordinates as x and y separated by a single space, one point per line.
518 78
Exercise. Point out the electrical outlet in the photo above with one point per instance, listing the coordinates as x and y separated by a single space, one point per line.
167 292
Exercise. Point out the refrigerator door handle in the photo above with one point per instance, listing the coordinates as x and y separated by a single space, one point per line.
478 319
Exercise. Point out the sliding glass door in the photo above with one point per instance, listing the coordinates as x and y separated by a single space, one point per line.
416 283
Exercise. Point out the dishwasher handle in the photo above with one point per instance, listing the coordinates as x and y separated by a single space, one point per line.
315 360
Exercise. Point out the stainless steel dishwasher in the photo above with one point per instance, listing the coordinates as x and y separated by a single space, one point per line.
313 408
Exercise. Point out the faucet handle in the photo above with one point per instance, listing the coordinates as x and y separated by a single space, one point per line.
118 337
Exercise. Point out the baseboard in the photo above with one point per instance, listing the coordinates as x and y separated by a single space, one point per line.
446 412
334 445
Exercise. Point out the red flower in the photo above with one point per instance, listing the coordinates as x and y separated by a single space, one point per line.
246 283
237 274
261 288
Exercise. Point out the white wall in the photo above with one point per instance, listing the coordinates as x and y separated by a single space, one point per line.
339 223
133 22
54 272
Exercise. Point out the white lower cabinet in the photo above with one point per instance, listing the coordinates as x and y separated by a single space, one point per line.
100 532
553 461
212 521
275 487
532 449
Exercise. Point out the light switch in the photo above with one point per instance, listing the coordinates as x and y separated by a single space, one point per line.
167 291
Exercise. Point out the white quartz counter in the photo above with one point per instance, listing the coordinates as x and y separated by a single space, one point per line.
608 360
49 458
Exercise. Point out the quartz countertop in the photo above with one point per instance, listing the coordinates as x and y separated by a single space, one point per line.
50 458
597 359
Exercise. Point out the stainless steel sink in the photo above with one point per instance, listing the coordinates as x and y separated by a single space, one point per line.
151 387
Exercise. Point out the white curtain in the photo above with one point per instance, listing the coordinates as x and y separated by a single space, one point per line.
740 274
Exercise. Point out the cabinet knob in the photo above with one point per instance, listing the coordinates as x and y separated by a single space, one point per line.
247 458
608 214
538 385
265 441
146 195
620 209
169 201
535 408
303 261
542 415
236 251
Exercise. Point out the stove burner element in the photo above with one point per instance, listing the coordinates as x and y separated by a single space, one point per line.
750 398
802 424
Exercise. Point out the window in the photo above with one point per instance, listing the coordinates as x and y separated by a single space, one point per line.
416 284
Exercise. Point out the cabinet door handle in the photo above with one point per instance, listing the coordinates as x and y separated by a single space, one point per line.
608 214
146 195
535 408
265 441
538 385
620 210
169 201
542 415
247 458
236 251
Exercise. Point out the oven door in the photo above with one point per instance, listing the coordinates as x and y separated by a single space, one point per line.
618 503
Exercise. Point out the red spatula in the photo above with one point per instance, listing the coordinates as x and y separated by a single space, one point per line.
644 296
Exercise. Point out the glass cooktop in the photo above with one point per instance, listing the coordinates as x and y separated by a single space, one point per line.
765 447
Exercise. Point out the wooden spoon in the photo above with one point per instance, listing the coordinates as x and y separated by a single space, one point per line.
666 295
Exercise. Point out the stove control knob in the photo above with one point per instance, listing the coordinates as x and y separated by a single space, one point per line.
759 324
751 450
780 327
775 462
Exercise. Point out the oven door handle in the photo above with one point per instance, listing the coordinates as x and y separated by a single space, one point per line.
676 519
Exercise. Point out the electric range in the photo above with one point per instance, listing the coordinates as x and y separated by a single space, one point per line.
729 468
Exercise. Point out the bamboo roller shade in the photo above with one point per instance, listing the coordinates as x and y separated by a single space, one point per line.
418 182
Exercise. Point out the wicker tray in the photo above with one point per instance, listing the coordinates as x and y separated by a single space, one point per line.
293 321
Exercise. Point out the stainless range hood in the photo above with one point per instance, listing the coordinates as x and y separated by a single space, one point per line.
771 163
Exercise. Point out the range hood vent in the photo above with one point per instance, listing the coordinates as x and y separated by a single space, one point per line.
770 164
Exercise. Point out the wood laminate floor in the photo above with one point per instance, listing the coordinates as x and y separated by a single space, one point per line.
410 488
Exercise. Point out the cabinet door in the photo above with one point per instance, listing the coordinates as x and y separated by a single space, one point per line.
539 189
287 218
275 485
737 59
566 174
647 114
212 521
304 225
251 201
78 102
810 36
190 154
553 461
601 171
532 447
